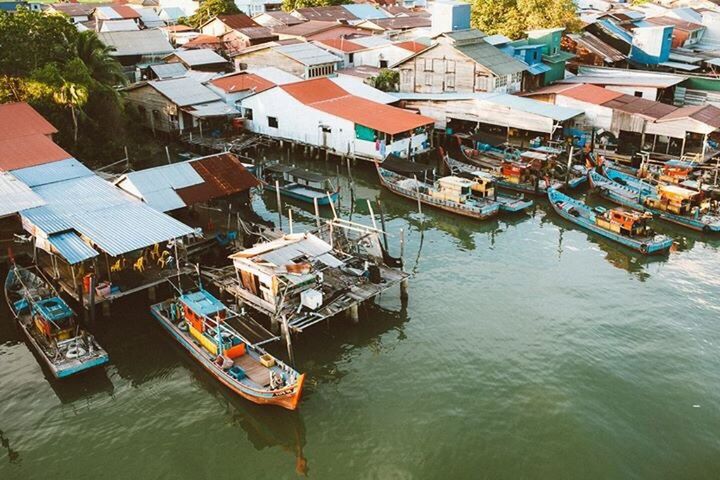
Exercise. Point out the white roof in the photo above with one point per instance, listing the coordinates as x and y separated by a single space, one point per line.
142 42
184 91
148 16
212 109
119 26
357 87
201 56
308 54
275 75
371 41
16 196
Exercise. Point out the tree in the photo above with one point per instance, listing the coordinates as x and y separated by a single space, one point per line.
210 9
290 5
387 80
512 18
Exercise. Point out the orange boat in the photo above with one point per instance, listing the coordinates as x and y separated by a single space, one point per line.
203 326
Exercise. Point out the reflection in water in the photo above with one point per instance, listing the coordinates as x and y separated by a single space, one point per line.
13 455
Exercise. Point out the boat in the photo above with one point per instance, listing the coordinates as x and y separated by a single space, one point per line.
673 203
300 184
204 327
452 194
487 187
626 227
50 325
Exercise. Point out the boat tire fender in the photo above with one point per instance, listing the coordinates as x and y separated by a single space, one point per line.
644 248
74 352
183 326
706 229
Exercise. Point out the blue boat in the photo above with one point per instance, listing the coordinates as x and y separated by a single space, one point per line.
683 206
628 228
300 184
50 325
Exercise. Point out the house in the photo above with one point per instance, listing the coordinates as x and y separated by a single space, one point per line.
202 59
205 42
552 54
639 83
590 50
245 37
375 51
171 15
255 7
320 113
148 16
76 12
460 61
139 47
169 188
276 18
304 60
319 30
448 16
222 24
684 33
232 88
175 105
161 71
114 12
642 42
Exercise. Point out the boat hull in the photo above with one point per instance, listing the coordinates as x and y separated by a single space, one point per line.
644 247
322 198
289 400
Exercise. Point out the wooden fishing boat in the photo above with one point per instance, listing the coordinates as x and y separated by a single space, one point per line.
628 228
204 327
673 203
490 158
487 182
300 184
49 324
452 194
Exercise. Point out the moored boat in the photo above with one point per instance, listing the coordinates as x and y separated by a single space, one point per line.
203 326
626 227
452 194
300 184
49 324
673 203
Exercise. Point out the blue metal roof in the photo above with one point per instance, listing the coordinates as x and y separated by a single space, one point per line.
365 12
615 30
538 69
202 303
52 172
71 247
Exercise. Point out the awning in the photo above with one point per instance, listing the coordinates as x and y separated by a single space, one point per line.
71 247
538 69
214 109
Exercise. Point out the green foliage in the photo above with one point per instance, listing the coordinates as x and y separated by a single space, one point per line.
387 80
512 18
290 5
68 76
209 9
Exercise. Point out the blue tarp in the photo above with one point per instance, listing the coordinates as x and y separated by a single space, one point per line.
53 309
202 303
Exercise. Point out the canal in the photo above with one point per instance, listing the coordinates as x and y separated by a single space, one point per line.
528 349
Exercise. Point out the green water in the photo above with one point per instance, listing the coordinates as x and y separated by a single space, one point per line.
528 349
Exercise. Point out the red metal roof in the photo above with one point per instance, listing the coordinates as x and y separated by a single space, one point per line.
640 106
242 81
414 47
342 45
238 20
20 119
223 175
591 94
202 40
28 151
326 96
126 12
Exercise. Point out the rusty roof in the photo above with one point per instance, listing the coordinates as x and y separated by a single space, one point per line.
239 82
237 20
308 28
325 95
331 13
223 175
411 46
341 45
707 114
640 106
591 94
203 40
675 23
20 119
598 47
401 23
255 33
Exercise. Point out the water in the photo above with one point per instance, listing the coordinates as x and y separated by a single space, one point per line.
528 349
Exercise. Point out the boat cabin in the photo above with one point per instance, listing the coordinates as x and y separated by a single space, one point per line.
483 187
204 314
53 318
675 171
679 200
288 174
624 222
454 189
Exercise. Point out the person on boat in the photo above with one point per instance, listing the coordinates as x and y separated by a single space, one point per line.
276 380
224 362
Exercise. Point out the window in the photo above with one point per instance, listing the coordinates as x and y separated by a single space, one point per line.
450 66
351 57
500 81
638 94
428 65
383 64
428 79
272 122
450 82
248 113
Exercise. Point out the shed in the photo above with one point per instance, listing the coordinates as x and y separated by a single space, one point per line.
203 59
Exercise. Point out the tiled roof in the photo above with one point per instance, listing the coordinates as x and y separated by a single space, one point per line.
324 95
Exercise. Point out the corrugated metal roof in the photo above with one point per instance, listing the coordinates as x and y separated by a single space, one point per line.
330 13
497 39
52 172
598 47
16 196
275 75
172 13
308 54
372 41
142 42
362 89
529 105
177 175
365 11
20 119
29 150
148 16
71 247
200 56
640 106
184 91
164 200
119 26
621 76
591 94
242 81
492 58
169 70
212 109
538 69
707 114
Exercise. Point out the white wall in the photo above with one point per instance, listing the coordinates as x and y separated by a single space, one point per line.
595 115
301 123
649 93
391 53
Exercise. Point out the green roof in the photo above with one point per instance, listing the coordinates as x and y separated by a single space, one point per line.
561 56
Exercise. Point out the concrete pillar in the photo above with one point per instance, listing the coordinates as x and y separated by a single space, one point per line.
353 313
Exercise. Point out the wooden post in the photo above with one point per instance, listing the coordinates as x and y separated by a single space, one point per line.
152 293
167 152
353 313
382 222
279 203
91 299
317 212
290 220
417 191
106 309
372 214
404 283
288 341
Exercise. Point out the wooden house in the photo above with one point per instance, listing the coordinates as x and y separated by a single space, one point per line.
460 61
304 60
